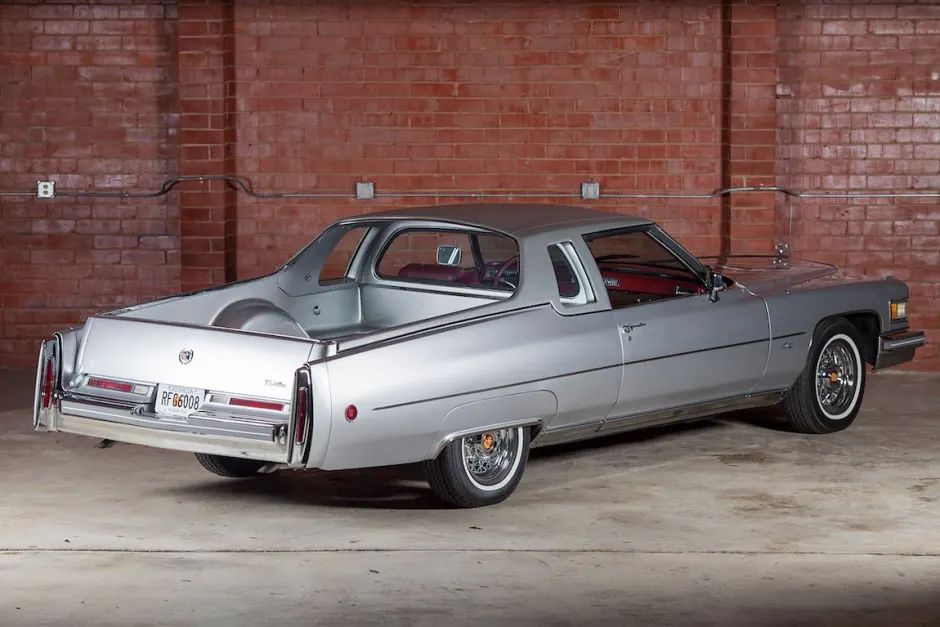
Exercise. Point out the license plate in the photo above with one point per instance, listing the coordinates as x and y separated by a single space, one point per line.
178 401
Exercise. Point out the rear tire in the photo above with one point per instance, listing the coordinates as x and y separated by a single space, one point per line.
229 466
828 393
479 469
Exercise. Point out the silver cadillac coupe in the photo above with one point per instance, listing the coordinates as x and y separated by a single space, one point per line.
462 336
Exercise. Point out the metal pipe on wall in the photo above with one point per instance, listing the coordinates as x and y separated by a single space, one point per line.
244 185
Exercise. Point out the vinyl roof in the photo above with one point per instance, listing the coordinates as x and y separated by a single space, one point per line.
513 218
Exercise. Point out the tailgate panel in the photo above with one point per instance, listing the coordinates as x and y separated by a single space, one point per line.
221 359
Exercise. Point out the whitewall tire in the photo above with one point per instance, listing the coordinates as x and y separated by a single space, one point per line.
480 469
827 395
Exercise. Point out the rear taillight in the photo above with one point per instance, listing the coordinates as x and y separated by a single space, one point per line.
253 404
300 414
48 383
108 384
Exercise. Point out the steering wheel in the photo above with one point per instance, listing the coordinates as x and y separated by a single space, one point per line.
499 279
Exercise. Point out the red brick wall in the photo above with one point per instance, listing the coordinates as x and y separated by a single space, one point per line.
479 96
457 96
88 95
859 103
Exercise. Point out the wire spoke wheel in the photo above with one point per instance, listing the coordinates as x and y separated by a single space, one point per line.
827 395
488 457
836 378
479 469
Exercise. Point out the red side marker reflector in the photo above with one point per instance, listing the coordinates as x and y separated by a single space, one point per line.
351 413
107 384
300 415
47 385
247 402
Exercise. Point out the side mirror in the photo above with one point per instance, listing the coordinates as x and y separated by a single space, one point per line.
449 255
716 284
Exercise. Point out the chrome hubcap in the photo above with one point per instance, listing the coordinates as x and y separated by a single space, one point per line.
488 457
836 377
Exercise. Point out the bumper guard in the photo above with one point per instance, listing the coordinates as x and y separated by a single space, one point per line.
898 347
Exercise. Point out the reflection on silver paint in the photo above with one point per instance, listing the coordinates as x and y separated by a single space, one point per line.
427 363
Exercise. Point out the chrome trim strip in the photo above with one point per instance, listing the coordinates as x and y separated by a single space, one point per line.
906 342
37 394
45 419
496 387
522 422
402 334
630 422
197 423
101 401
699 350
692 410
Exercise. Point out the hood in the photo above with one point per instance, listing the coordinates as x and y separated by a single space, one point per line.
769 273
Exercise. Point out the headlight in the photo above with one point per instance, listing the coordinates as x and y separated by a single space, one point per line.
898 310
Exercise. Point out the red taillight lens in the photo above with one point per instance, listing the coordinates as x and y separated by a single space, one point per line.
351 413
48 380
247 402
107 384
300 415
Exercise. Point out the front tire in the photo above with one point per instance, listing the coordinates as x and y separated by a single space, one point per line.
229 466
479 469
828 393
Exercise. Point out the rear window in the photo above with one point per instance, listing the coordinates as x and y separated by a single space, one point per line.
450 257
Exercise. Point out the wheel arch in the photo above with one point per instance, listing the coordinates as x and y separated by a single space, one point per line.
868 325
525 409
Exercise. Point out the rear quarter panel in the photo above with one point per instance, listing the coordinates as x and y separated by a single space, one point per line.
533 364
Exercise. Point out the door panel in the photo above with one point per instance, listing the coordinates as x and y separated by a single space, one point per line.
689 350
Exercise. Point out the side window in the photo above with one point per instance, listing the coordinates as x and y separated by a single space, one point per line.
413 252
336 265
637 268
467 259
573 285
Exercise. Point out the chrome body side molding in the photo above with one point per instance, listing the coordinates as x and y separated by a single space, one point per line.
657 418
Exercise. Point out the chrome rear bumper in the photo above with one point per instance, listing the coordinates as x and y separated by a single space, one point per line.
230 436
898 347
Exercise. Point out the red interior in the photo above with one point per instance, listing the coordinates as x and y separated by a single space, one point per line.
637 280
644 282
435 272
432 272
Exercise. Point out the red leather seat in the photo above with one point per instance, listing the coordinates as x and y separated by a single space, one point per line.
432 272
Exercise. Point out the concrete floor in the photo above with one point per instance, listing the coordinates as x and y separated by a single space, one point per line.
729 521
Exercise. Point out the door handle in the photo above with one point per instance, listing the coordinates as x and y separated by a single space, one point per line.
629 327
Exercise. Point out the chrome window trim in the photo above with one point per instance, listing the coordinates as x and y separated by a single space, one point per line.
686 258
438 286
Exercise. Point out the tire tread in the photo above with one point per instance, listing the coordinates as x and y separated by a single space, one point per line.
229 466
